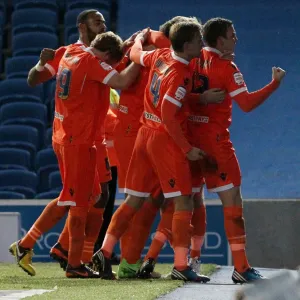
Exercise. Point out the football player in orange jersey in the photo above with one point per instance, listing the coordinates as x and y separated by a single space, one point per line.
130 111
90 23
209 129
82 73
161 153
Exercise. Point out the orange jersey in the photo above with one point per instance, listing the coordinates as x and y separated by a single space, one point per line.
169 80
82 96
131 105
211 71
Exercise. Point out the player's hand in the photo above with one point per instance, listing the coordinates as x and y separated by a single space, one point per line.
213 96
228 55
277 74
130 41
46 55
195 154
143 35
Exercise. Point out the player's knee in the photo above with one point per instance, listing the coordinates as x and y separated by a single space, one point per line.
134 201
183 203
103 199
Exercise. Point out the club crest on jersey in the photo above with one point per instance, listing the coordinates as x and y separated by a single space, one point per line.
105 66
180 93
238 78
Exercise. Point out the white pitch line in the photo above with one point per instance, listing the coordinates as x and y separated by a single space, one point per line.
16 295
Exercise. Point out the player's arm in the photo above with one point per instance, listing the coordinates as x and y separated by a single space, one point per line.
158 39
249 101
124 79
106 74
211 96
47 66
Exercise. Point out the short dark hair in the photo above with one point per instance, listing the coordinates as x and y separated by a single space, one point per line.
183 32
213 29
165 28
110 42
84 15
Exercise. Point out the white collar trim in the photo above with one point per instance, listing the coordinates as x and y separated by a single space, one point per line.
182 60
213 50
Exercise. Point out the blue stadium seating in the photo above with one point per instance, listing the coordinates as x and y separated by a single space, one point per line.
11 195
45 4
20 181
55 182
31 43
20 137
48 195
11 158
73 38
48 138
17 90
83 4
19 66
32 114
46 162
34 20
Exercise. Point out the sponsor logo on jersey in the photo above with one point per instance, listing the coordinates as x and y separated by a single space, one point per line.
180 93
151 117
123 109
238 78
199 119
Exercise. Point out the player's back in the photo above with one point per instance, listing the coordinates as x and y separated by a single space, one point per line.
211 71
78 99
168 70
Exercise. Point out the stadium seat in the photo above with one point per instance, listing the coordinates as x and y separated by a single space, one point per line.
17 90
32 114
83 4
16 67
2 19
48 195
72 38
45 4
11 195
34 20
32 43
48 138
20 137
46 162
11 158
21 181
55 182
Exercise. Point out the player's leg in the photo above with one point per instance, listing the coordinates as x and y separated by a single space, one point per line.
174 174
227 183
138 188
96 210
199 229
162 235
52 213
77 190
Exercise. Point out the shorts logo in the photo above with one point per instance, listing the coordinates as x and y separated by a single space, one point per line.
105 66
180 93
71 191
223 176
107 165
238 78
172 182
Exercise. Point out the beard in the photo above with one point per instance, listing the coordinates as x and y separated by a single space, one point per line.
91 34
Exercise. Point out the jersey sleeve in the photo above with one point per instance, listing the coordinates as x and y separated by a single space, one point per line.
158 39
52 65
124 63
178 88
235 83
100 71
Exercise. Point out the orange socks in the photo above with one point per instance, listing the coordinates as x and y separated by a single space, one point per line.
118 225
49 217
134 239
236 235
181 231
199 224
163 233
76 225
92 229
